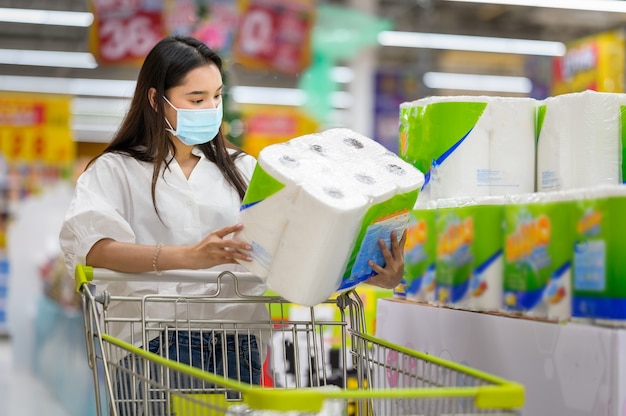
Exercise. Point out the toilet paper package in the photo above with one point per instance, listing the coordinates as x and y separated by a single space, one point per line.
469 253
471 146
412 145
599 266
420 253
580 140
284 166
538 251
317 206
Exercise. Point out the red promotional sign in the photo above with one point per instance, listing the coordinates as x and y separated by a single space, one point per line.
124 31
275 34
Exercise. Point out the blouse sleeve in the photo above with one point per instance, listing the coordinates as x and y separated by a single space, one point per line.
96 211
246 164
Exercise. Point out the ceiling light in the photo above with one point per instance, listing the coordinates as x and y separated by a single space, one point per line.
471 43
473 82
613 6
70 86
48 58
342 74
46 17
267 95
283 96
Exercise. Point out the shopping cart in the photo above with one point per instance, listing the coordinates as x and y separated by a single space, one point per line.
316 364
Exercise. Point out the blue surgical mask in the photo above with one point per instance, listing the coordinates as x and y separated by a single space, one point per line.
196 126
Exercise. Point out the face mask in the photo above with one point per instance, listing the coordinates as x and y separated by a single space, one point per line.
196 126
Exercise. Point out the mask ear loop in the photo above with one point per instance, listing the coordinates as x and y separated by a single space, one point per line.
171 129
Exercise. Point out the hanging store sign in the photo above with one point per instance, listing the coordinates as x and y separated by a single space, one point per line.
124 31
275 35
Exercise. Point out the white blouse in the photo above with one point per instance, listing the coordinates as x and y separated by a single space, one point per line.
112 199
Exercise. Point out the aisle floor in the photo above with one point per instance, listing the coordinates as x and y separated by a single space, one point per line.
21 393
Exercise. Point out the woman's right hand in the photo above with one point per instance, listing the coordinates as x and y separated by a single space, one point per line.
216 249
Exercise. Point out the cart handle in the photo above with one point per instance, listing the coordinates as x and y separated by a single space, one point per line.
86 274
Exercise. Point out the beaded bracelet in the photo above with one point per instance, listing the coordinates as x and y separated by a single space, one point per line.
155 258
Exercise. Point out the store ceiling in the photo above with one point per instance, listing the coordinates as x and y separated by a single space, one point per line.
439 16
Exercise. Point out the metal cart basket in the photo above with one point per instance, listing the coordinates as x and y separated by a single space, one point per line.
315 362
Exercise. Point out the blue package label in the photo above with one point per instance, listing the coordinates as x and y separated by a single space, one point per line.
590 266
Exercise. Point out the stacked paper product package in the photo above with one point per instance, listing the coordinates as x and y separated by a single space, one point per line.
580 141
316 208
518 193
475 151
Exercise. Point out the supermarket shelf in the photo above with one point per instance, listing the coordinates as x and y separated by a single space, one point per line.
567 369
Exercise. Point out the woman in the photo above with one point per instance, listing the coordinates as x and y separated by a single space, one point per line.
165 194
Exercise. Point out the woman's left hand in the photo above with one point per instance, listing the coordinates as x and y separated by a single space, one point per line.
389 277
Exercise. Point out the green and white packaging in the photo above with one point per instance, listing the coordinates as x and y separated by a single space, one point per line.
538 251
599 264
471 146
469 253
420 253
316 208
580 141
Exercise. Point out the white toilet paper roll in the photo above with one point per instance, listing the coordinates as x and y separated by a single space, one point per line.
580 141
349 145
398 173
511 146
264 229
457 167
291 163
312 255
480 150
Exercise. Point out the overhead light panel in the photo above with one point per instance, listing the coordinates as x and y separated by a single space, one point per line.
474 82
125 89
48 58
471 43
46 17
268 95
342 74
612 6
69 86
283 96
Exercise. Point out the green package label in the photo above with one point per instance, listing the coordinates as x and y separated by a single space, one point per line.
413 146
430 133
445 126
262 185
378 223
420 251
469 240
538 253
599 287
541 116
622 111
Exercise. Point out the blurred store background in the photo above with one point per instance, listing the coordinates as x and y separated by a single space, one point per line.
67 70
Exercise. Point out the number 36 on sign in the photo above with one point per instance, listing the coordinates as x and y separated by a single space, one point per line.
124 31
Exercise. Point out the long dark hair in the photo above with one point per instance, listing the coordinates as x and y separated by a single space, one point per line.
142 134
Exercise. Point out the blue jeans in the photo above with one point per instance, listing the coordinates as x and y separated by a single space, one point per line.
202 350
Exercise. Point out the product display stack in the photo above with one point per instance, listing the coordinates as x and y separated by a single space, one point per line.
514 256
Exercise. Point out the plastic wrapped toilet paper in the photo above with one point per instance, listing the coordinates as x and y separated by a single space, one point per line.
580 140
285 166
471 146
319 237
420 253
317 206
539 239
599 294
412 144
469 263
